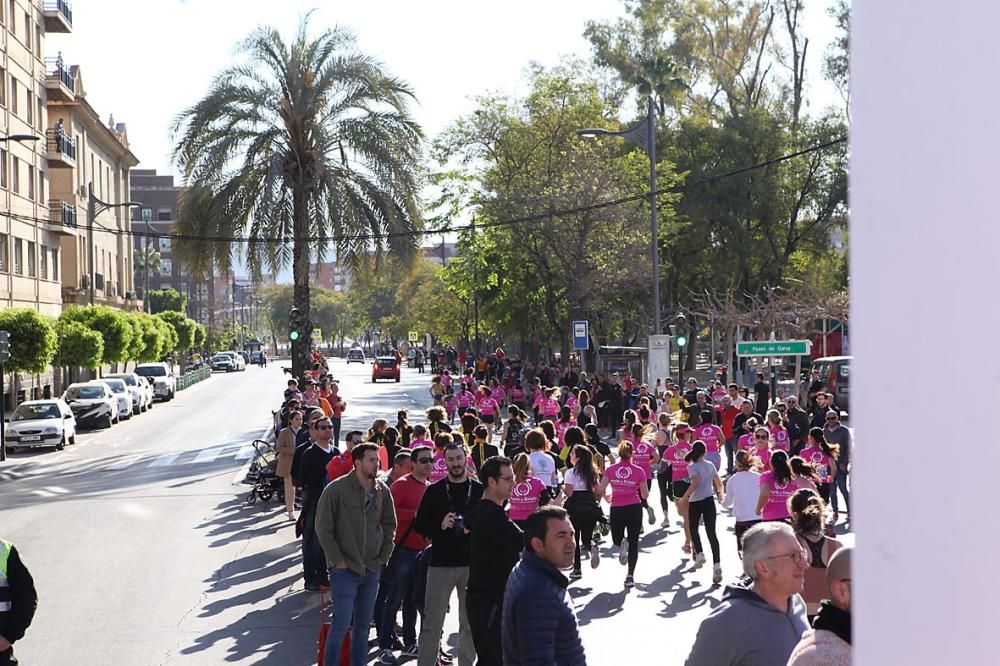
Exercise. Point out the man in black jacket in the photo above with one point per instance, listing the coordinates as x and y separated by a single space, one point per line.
312 472
441 518
18 600
495 546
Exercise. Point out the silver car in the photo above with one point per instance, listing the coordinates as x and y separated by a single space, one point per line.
122 394
140 390
37 423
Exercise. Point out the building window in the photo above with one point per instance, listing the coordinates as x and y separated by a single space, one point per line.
164 245
18 247
166 267
13 94
15 180
31 182
32 272
41 186
38 39
43 263
41 114
11 17
3 88
3 169
29 107
164 215
27 30
4 265
55 264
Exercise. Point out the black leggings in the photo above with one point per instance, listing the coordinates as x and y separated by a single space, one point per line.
703 508
741 529
583 513
627 519
663 482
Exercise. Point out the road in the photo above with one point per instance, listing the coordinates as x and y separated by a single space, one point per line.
145 552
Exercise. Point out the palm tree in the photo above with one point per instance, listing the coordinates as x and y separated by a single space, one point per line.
302 147
146 255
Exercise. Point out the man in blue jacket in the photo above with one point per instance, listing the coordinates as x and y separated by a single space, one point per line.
539 625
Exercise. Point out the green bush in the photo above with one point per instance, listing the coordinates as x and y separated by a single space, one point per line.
79 346
33 340
113 326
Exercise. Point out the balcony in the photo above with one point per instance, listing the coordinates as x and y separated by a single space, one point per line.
62 216
59 83
60 149
58 16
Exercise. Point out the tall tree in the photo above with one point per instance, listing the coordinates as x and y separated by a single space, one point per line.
304 145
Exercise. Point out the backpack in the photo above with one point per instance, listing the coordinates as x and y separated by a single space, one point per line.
423 562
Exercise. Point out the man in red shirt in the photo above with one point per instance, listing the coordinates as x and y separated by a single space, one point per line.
401 572
727 417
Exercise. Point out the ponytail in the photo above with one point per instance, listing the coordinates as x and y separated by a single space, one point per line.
832 450
779 463
802 468
807 510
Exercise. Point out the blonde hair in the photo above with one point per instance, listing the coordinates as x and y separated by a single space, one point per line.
521 466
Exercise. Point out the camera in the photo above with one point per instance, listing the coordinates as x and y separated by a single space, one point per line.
459 522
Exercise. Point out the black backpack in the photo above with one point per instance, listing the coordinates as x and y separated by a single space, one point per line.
419 593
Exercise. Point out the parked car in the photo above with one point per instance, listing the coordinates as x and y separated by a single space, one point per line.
139 388
239 363
355 356
223 363
835 373
162 378
385 367
93 403
122 394
41 423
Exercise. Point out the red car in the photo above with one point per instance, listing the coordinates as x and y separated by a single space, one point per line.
385 367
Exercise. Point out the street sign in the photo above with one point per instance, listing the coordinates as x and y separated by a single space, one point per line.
774 348
413 336
581 335
317 335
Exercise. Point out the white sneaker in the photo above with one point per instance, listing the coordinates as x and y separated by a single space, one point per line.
650 515
666 522
717 574
623 552
699 560
595 556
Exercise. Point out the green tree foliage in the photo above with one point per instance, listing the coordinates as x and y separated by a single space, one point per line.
153 337
110 323
33 340
161 300
184 329
79 346
305 140
137 342
200 336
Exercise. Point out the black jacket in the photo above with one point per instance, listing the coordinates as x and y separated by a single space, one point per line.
451 546
488 451
495 546
22 597
312 471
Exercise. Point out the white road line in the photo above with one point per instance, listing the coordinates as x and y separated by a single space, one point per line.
245 453
208 455
43 493
124 463
165 460
56 490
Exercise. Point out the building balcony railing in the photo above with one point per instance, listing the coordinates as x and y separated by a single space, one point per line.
60 149
62 214
59 80
58 16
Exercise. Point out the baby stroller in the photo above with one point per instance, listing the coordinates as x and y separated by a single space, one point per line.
262 475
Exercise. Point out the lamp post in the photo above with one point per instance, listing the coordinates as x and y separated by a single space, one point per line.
644 136
94 208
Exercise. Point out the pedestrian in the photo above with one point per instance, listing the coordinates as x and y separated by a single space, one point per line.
828 643
836 434
539 625
776 487
761 394
314 474
663 469
441 518
797 416
581 485
628 490
482 450
803 473
779 433
761 623
404 429
285 447
808 517
823 456
699 500
529 492
543 465
495 546
355 523
727 421
513 432
712 436
742 491
18 601
400 572
679 483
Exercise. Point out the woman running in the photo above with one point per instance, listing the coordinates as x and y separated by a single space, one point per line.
808 512
528 491
537 445
404 429
550 405
776 488
644 456
487 408
628 490
511 433
564 423
712 436
746 440
664 470
587 413
581 488
824 456
437 391
465 398
762 447
699 500
518 395
742 492
803 473
629 418
679 482
436 422
779 433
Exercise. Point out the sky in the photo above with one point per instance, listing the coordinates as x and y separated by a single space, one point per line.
146 61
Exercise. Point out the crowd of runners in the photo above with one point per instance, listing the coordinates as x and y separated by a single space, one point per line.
468 496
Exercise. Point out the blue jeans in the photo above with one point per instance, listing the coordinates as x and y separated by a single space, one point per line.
353 597
840 481
398 591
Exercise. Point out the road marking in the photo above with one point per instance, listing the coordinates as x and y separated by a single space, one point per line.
43 493
208 455
56 490
165 460
245 453
123 463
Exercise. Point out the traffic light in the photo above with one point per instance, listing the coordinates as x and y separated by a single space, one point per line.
680 330
682 340
294 325
4 346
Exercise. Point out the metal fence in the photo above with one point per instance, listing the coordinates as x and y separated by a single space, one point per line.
191 378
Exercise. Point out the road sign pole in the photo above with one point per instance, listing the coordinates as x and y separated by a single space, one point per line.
3 422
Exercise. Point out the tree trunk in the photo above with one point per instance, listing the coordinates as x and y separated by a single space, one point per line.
300 349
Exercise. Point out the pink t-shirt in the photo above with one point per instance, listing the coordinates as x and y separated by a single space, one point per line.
765 457
776 506
446 380
561 429
517 394
414 443
718 395
524 498
465 399
745 441
779 437
439 468
711 434
538 399
642 456
675 455
624 479
572 402
550 407
487 406
499 395
818 457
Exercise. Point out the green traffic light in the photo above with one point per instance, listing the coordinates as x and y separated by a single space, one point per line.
682 341
294 335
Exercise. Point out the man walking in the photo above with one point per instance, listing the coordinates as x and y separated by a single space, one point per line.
312 472
539 625
18 600
355 523
836 433
496 544
441 518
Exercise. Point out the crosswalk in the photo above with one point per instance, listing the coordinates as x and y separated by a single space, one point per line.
230 454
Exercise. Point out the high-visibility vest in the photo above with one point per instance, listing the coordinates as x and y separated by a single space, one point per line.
5 599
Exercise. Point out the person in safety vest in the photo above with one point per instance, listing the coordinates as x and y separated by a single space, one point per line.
18 600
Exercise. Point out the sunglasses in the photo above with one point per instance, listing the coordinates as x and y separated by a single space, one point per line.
831 418
760 436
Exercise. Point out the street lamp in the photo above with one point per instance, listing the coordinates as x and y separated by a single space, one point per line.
20 138
94 208
644 136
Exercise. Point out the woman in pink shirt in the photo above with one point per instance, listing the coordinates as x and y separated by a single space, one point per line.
823 457
551 406
679 484
776 487
528 493
644 456
779 434
628 491
712 436
746 440
488 409
762 446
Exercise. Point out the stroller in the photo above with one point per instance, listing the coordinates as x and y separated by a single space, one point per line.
262 475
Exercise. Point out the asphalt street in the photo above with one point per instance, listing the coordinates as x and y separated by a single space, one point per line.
145 552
